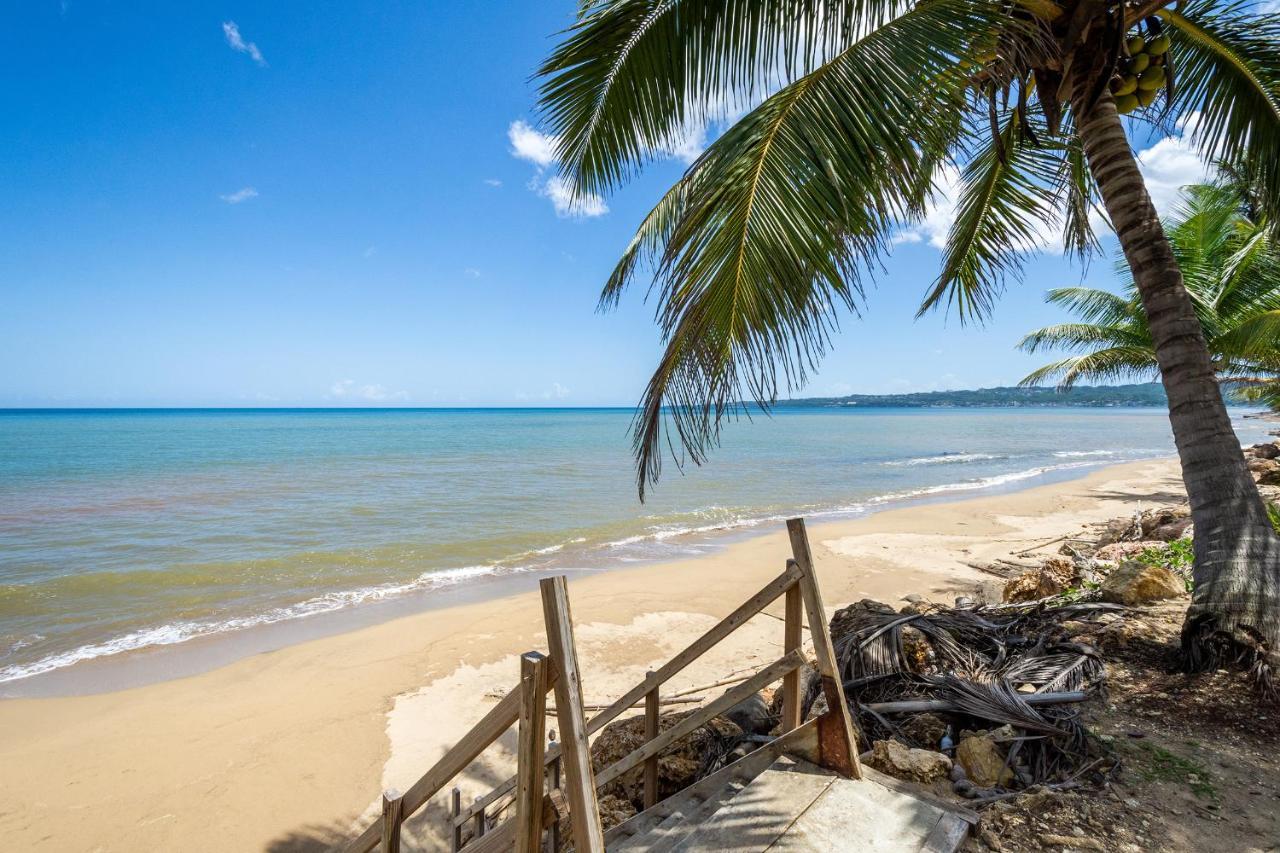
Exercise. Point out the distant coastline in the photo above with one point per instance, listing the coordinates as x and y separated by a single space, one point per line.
1150 394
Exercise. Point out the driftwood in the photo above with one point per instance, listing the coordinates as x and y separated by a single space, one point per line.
916 706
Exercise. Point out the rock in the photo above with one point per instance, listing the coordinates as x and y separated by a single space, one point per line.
1135 583
818 708
913 765
1053 576
1271 478
983 761
678 765
752 715
1174 530
1121 551
1262 466
925 730
1157 518
989 592
1119 530
1271 450
614 810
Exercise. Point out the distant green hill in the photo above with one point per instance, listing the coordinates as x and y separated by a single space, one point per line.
1148 394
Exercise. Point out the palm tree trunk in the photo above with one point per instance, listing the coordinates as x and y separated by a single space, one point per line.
1235 606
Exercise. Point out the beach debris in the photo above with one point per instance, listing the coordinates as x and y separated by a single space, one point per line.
1008 678
1118 552
1135 583
914 765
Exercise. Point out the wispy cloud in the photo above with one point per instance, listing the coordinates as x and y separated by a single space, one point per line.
493 182
370 252
237 43
240 195
347 390
471 272
529 143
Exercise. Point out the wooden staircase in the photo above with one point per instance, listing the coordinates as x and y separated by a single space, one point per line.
802 791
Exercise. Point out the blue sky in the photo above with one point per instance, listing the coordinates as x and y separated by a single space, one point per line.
336 204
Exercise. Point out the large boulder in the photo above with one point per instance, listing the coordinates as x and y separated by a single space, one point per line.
1270 450
1135 583
1270 478
983 761
1054 576
914 765
1174 530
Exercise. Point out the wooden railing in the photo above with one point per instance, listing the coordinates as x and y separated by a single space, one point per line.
827 740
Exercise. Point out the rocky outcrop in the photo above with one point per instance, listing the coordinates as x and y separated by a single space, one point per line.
913 765
1270 450
1135 583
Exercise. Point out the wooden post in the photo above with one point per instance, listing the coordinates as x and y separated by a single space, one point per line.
580 787
455 828
555 786
839 747
477 824
792 638
531 773
650 732
392 804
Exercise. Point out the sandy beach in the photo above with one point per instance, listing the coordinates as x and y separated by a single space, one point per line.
285 751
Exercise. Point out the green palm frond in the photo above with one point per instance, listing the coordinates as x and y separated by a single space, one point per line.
765 239
1007 189
1105 365
1096 306
1085 336
631 75
1228 76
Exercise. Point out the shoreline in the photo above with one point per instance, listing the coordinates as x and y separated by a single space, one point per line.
163 661
325 724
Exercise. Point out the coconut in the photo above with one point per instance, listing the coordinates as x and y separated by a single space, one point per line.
1135 44
1126 104
1159 45
1127 85
1151 79
1146 97
1138 63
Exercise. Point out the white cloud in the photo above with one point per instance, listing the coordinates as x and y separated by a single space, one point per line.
557 392
493 182
1173 163
243 194
237 43
528 143
940 212
566 201
471 272
347 390
370 251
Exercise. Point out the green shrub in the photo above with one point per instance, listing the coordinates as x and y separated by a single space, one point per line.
1177 556
1273 512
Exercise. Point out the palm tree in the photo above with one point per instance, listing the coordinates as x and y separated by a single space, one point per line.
1230 264
854 108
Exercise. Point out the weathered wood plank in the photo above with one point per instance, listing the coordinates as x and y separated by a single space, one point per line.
532 742
792 639
584 813
555 807
391 817
839 746
651 704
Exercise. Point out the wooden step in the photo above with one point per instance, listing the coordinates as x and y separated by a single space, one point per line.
796 806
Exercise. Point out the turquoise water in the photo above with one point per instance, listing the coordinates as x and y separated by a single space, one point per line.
121 530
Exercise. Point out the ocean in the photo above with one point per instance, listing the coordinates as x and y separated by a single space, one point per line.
123 530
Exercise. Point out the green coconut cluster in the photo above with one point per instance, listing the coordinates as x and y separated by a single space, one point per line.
1143 72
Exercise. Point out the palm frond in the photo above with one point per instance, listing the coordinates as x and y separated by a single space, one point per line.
1083 336
1007 188
632 75
1228 73
767 237
1097 306
1104 365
